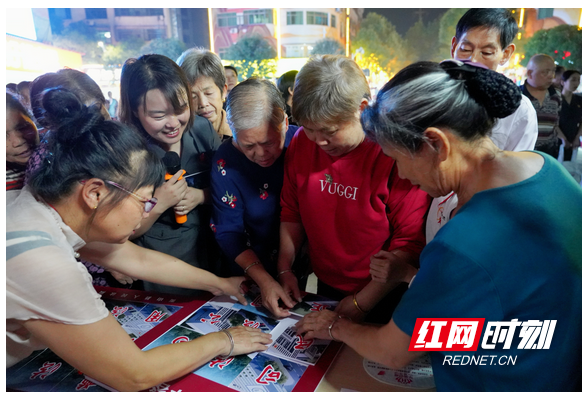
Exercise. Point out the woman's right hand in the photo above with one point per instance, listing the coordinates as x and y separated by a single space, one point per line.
289 283
246 340
172 191
271 293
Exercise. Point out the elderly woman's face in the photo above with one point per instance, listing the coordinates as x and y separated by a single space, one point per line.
335 139
207 100
420 168
262 145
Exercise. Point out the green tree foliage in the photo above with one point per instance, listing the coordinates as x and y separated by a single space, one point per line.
253 55
115 56
82 38
421 41
171 48
565 39
327 46
378 37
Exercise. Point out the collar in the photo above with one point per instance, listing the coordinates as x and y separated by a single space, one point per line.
73 239
224 129
550 91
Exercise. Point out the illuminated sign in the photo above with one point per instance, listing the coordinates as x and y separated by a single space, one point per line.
30 56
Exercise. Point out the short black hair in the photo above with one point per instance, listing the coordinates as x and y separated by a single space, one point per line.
500 19
568 73
285 82
559 69
233 68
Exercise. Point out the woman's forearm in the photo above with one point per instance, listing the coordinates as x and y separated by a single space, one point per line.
149 265
291 238
249 261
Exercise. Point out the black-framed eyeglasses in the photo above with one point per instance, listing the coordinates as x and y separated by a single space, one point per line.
149 203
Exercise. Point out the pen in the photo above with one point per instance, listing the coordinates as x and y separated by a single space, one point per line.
195 173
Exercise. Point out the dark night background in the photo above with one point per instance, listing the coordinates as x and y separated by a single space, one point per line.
404 18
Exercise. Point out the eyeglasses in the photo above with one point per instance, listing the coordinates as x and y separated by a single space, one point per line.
149 203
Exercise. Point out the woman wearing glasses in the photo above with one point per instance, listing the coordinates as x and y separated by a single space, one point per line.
92 192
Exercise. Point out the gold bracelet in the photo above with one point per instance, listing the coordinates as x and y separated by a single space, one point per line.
283 272
357 305
251 265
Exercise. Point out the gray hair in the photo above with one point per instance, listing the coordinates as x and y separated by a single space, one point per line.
424 95
329 89
252 103
198 61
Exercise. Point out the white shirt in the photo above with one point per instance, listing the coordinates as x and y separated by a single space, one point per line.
517 132
43 278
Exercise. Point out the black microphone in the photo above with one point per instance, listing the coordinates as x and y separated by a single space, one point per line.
171 160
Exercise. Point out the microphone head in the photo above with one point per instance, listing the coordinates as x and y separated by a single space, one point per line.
171 160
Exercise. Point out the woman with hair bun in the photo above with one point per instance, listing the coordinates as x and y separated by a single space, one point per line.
89 93
509 254
92 192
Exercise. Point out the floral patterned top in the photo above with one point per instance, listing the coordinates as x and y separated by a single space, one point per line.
246 204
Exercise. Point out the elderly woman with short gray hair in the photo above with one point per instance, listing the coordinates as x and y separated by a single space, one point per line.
206 74
247 176
344 195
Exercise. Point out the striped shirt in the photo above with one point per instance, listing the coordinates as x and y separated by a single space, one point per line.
547 116
14 177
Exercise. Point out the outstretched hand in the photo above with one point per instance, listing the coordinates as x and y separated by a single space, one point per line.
246 340
231 287
271 293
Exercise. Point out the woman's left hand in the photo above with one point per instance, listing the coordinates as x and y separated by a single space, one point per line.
192 199
316 324
348 309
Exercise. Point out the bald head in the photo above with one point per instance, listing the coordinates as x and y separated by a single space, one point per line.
540 71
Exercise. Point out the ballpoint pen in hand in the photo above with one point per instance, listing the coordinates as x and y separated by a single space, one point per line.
195 173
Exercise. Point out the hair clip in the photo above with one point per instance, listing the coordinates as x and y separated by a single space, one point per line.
49 158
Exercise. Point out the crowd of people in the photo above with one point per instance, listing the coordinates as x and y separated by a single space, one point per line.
440 198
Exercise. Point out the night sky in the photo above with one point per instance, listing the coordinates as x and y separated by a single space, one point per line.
404 18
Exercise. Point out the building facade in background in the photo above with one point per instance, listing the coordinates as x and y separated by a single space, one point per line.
291 31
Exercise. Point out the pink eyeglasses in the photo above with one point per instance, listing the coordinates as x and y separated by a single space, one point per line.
149 203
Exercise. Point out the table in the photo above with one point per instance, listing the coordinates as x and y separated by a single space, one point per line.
347 373
340 368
